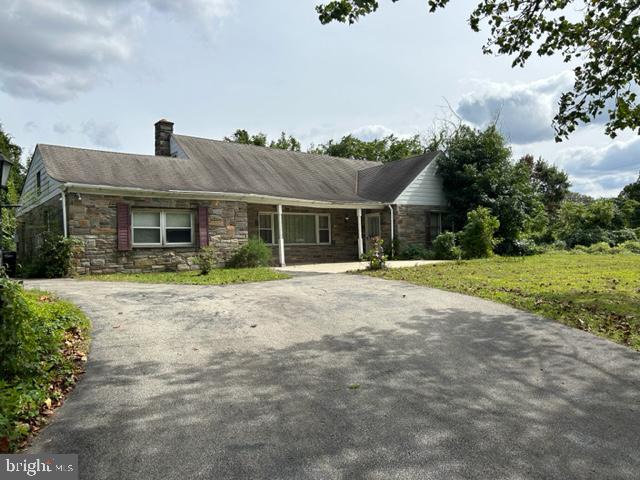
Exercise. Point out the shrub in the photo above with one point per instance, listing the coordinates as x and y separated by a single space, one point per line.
631 246
415 252
586 237
476 238
519 248
38 338
616 237
445 248
207 259
600 247
54 257
376 256
254 253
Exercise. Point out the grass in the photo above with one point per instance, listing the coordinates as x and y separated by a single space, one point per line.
219 276
595 293
44 346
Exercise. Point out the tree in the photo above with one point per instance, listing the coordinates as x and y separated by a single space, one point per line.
631 191
14 186
477 171
602 36
242 136
476 239
284 142
549 182
384 149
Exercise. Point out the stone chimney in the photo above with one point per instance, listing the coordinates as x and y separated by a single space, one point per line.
164 130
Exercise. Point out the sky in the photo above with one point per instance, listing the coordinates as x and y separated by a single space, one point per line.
99 74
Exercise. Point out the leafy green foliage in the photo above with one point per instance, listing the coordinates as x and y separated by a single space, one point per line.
14 186
631 191
415 252
445 248
601 37
41 342
549 182
207 259
384 149
217 276
477 171
595 293
254 253
54 257
284 142
476 238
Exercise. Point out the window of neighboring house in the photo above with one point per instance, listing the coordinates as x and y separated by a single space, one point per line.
38 183
299 228
162 228
435 225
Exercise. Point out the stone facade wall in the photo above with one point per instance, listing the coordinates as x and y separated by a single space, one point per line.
92 219
344 236
411 222
31 225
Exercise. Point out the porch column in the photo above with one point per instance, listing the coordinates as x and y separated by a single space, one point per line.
280 237
360 245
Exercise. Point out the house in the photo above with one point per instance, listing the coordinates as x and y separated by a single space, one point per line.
135 213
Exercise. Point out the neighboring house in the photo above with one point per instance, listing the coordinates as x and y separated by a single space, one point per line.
144 213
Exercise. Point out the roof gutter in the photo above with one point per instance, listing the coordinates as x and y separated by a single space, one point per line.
239 197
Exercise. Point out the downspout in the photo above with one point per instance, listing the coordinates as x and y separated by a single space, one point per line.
392 232
64 212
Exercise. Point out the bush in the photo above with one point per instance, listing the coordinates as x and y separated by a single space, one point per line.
600 247
631 246
376 256
254 253
519 248
616 237
415 252
54 257
39 337
445 248
207 259
476 239
586 237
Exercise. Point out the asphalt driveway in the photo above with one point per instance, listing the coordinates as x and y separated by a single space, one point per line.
340 376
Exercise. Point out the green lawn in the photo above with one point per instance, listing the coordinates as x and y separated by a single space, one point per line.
220 276
596 293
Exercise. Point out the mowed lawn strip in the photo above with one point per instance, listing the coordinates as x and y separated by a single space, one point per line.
596 293
220 276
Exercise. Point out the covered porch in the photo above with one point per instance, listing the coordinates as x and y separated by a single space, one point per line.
322 233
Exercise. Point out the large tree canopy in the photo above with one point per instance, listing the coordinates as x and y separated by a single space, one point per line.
600 37
284 142
11 195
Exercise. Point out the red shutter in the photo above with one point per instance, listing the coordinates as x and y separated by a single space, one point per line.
123 217
203 226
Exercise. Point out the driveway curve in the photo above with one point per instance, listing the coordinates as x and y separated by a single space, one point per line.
340 376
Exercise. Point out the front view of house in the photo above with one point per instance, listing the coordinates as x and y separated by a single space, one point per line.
139 213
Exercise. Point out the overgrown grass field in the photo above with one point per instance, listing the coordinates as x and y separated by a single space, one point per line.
596 293
218 276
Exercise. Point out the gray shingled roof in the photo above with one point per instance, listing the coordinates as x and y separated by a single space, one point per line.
220 166
386 181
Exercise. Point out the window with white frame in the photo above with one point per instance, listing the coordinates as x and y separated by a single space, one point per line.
298 228
156 228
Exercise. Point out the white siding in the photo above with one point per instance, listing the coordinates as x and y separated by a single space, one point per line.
426 189
48 186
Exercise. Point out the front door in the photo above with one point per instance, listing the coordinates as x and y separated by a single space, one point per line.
371 228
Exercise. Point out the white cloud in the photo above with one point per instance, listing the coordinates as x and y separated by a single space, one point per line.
31 126
601 171
53 50
525 110
372 132
102 134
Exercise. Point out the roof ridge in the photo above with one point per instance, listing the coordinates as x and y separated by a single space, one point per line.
312 154
99 151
